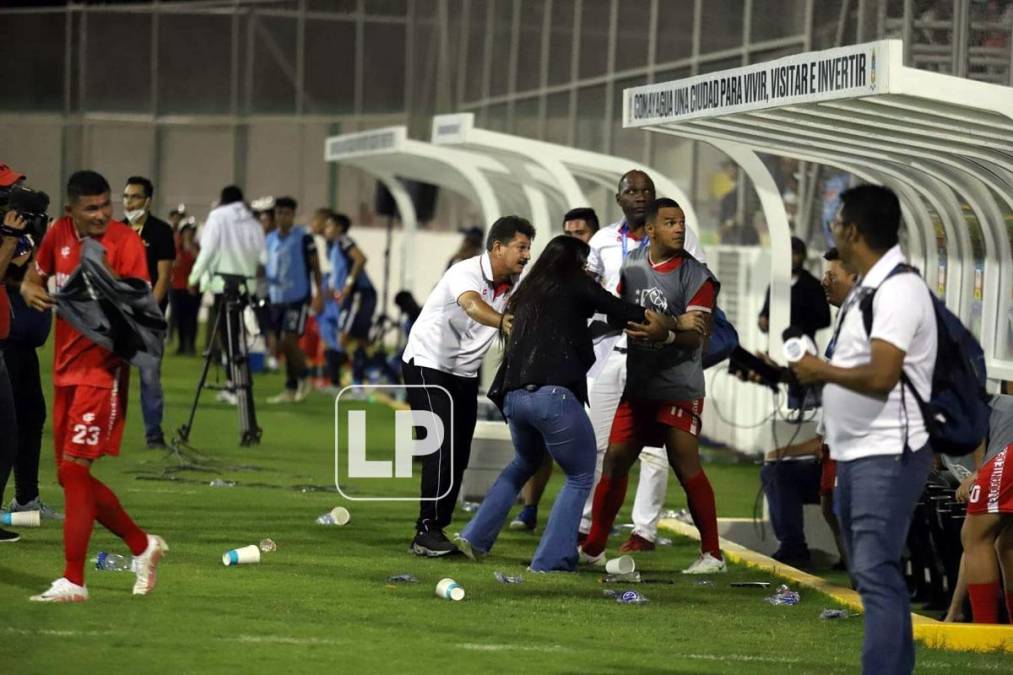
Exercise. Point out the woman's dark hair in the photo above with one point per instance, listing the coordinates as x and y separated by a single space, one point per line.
562 261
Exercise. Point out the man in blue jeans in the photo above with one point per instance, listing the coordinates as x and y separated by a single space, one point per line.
873 426
160 248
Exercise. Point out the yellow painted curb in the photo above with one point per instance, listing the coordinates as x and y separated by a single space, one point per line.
931 633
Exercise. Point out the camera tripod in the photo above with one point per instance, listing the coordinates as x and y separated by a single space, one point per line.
228 323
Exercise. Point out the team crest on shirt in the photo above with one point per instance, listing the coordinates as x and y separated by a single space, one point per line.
88 417
65 251
652 298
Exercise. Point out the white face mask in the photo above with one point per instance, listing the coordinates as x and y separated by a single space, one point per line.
134 216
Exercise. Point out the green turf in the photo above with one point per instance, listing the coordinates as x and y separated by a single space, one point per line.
321 602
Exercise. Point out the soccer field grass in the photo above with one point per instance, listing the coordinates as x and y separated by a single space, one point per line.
321 601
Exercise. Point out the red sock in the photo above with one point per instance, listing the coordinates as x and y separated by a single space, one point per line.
608 499
79 504
700 496
984 602
110 513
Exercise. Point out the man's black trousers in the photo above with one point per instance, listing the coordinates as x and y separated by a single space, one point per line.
436 472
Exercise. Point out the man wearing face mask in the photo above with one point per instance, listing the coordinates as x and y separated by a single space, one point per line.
161 251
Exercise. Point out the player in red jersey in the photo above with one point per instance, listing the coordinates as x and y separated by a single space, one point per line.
663 399
988 527
90 386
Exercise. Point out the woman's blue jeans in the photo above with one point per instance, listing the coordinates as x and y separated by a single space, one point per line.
548 419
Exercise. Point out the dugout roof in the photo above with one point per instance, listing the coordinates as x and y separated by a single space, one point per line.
550 167
943 143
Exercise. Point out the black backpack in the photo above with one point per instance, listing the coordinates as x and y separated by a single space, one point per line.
956 414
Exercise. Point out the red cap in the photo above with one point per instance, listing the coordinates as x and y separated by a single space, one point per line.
9 176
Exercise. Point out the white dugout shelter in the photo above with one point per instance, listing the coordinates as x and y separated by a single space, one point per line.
389 155
943 144
550 167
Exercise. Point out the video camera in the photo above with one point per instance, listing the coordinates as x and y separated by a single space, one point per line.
31 205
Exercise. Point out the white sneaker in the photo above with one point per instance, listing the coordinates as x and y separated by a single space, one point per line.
226 396
144 565
466 548
287 396
585 559
62 590
706 564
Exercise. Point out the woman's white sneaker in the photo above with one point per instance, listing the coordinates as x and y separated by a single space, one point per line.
706 564
62 590
145 565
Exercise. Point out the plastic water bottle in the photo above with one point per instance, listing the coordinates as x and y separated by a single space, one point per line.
113 562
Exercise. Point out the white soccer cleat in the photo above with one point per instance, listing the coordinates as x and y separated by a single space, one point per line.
62 590
287 396
145 565
706 564
226 396
585 559
303 389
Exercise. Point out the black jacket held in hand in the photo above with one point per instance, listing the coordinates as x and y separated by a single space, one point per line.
120 315
557 349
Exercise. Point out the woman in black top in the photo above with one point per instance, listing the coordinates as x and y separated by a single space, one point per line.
541 387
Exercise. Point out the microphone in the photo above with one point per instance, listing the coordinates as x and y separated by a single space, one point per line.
797 344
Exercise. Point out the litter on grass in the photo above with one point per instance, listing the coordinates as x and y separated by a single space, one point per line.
631 578
506 579
784 596
470 507
626 597
218 482
402 579
268 546
829 614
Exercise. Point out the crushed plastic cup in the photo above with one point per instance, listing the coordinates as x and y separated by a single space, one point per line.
624 564
402 579
448 589
631 578
241 556
829 614
784 596
470 507
218 482
506 579
627 597
339 515
22 519
268 546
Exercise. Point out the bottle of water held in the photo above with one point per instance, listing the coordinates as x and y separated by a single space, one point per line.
113 562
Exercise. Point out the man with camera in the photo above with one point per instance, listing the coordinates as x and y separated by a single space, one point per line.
232 243
161 251
22 405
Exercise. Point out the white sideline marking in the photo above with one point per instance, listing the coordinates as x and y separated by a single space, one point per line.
478 647
738 657
282 639
163 491
57 633
939 665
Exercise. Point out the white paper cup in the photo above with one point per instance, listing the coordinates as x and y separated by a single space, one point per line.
449 589
624 564
23 519
340 515
241 556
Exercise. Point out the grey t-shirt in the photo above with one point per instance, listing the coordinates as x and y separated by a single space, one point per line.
663 372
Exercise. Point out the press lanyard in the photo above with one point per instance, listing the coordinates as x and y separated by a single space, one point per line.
623 231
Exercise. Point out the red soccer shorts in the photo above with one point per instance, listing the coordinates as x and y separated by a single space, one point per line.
88 421
647 422
828 474
992 491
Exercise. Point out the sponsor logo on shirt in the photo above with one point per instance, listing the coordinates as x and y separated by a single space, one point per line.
65 251
88 417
